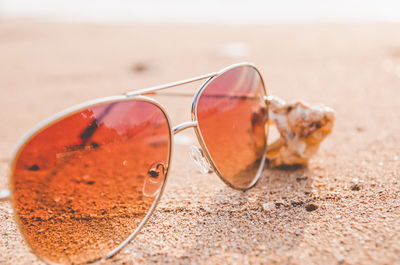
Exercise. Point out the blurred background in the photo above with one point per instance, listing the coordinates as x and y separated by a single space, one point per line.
55 54
207 11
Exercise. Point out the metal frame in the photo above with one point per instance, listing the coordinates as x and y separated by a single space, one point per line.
141 95
200 136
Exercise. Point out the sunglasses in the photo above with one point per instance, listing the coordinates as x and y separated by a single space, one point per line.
84 182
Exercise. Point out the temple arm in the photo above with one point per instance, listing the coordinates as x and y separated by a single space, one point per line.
152 90
177 94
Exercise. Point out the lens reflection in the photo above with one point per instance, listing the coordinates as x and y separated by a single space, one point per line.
231 114
78 184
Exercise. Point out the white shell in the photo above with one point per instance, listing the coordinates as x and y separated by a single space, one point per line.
302 128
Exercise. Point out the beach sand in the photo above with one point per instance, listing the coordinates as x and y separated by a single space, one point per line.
344 208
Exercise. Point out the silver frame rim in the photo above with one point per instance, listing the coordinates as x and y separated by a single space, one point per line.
75 109
200 136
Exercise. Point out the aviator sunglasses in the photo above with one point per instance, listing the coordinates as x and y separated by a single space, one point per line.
84 182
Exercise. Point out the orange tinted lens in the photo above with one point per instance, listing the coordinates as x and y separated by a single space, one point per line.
84 183
231 114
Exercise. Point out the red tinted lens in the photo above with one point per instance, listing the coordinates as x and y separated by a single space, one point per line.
84 183
231 114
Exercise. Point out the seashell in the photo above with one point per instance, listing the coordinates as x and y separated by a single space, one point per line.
302 128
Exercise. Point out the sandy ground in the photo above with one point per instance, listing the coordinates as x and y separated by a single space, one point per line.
354 182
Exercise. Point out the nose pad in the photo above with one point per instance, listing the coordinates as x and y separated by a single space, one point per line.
4 194
200 160
154 179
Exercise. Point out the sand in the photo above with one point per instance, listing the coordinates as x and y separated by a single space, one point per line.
344 208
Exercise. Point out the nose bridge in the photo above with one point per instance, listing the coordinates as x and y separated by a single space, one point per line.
184 126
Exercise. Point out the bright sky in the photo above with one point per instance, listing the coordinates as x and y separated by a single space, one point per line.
220 11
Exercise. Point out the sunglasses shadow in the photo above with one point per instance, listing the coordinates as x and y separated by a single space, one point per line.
230 226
